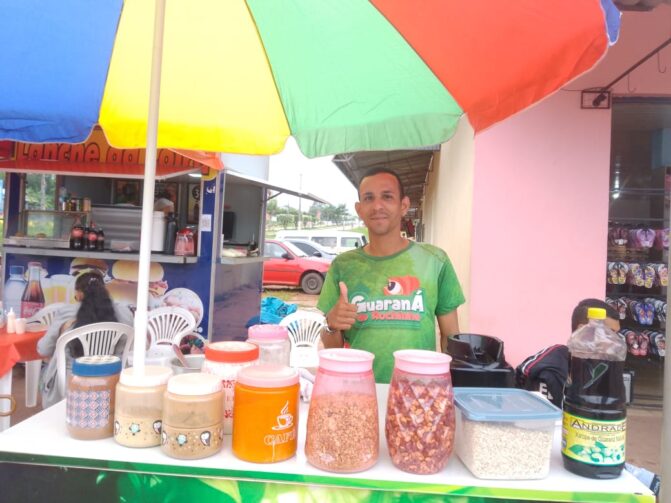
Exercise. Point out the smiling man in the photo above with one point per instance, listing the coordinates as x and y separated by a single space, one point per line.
387 295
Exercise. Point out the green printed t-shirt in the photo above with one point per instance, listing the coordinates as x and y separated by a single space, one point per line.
397 299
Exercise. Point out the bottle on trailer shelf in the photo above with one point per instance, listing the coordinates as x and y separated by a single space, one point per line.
594 419
32 299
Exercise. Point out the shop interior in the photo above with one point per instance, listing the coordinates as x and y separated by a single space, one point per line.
638 233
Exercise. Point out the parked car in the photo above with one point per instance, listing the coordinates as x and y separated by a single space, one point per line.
285 264
334 241
312 249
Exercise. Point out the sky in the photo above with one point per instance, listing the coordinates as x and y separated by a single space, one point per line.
320 177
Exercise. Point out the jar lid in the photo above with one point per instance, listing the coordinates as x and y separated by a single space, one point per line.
232 352
268 376
153 375
96 366
268 333
194 384
350 361
420 361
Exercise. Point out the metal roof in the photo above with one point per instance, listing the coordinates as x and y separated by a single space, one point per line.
412 166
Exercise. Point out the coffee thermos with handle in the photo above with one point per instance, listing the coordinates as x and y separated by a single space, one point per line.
158 232
170 232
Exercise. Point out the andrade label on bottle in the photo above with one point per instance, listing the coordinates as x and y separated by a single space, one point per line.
599 443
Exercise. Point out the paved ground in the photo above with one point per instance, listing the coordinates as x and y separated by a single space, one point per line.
644 426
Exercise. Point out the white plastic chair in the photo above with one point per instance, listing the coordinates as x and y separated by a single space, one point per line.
305 329
167 326
44 317
96 339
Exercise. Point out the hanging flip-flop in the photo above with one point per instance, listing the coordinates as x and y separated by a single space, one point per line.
622 307
646 237
643 343
649 276
636 274
613 274
622 272
662 274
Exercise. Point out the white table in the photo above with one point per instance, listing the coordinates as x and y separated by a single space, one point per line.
43 440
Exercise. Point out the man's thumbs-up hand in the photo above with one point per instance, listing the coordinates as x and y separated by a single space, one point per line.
343 314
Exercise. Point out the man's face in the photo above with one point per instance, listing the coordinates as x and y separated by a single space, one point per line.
380 205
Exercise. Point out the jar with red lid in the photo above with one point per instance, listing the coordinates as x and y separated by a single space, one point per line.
273 342
342 431
420 423
225 359
265 418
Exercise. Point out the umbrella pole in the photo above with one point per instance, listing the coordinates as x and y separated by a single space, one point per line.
148 193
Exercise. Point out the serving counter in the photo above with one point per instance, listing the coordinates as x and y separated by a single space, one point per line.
40 460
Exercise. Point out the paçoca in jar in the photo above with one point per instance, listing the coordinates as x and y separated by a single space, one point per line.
192 416
139 406
90 397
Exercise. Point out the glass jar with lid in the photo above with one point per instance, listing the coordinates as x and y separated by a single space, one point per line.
90 397
342 429
419 426
273 342
225 359
265 418
138 410
192 416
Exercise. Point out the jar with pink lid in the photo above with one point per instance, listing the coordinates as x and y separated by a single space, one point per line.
225 359
342 429
273 342
420 423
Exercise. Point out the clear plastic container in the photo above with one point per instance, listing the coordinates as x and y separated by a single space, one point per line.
90 397
273 342
225 359
138 408
192 416
342 430
14 288
504 433
419 426
265 418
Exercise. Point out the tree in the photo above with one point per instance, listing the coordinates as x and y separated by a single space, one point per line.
286 220
272 208
40 192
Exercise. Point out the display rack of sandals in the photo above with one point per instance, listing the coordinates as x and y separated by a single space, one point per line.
637 278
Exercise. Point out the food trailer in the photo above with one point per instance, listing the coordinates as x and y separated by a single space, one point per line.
220 214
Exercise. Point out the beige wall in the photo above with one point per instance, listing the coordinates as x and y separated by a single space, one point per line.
448 206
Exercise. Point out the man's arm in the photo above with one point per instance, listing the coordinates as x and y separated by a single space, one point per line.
448 325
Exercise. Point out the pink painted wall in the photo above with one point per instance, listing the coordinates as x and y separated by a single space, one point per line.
540 201
540 215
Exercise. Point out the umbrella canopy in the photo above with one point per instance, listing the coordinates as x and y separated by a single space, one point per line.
241 76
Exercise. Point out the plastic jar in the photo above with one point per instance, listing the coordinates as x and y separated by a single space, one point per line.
225 359
139 406
265 418
342 430
90 397
419 426
192 416
273 342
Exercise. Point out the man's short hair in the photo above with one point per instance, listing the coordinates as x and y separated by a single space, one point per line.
377 171
579 316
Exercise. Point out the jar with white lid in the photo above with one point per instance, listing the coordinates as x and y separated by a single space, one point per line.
273 342
192 416
139 406
90 397
224 359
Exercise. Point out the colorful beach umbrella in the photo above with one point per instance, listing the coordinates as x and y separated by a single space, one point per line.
241 76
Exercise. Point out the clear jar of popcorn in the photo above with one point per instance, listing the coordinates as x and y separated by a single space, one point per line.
342 429
420 425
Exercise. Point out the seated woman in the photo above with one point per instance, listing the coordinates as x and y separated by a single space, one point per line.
95 306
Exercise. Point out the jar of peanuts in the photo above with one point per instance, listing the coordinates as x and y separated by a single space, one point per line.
420 411
342 429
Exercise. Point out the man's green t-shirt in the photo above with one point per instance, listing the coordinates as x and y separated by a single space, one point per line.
397 299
